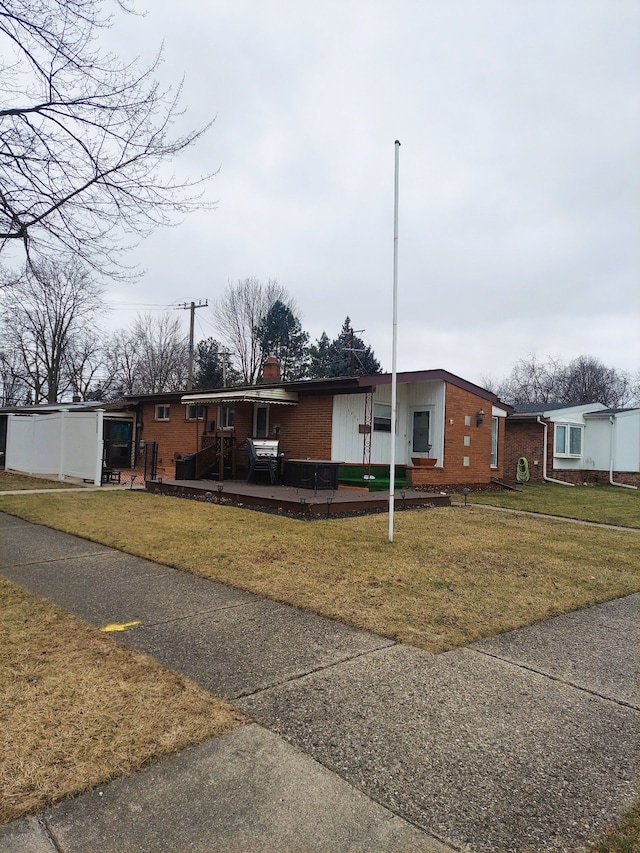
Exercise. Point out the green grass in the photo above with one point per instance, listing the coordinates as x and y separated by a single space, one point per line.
603 504
624 837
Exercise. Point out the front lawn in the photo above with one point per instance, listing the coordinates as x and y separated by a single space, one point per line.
453 575
11 481
604 504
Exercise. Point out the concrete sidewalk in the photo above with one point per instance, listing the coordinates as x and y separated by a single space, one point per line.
524 742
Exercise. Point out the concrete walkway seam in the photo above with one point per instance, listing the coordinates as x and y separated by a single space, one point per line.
552 677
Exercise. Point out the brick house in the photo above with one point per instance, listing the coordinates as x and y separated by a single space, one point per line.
448 431
581 443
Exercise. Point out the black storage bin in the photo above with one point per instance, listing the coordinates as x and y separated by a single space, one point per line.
186 467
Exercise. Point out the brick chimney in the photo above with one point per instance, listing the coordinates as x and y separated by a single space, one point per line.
271 371
76 398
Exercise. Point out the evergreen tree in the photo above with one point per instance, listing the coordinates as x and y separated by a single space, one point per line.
213 366
347 355
319 357
280 335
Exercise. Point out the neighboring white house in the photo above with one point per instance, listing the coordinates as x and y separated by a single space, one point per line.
575 443
612 439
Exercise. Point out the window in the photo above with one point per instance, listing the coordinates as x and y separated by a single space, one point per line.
494 442
260 421
162 413
194 412
382 417
568 440
227 417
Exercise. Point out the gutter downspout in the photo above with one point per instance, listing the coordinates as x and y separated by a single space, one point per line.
545 426
612 421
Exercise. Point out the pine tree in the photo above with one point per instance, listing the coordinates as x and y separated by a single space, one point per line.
346 355
280 335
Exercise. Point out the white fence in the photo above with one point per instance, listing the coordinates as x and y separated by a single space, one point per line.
62 444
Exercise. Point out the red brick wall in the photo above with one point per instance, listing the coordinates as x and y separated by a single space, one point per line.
175 436
591 477
305 430
525 438
458 405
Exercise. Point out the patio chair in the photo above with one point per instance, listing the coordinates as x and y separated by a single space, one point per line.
263 456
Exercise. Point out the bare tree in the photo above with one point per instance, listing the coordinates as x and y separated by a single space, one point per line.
151 358
237 316
583 380
635 389
588 379
46 312
122 375
533 381
13 390
163 353
84 366
83 137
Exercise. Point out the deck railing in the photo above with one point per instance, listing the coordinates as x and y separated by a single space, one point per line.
218 451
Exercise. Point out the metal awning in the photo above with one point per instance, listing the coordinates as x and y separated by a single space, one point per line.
274 396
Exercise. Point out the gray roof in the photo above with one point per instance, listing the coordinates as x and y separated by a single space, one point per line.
540 408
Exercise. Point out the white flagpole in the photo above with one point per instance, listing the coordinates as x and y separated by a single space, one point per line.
392 462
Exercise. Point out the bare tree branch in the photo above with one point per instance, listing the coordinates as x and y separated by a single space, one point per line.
84 138
237 315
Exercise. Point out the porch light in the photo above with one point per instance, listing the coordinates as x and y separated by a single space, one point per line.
480 417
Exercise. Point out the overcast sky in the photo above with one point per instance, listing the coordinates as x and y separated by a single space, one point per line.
519 125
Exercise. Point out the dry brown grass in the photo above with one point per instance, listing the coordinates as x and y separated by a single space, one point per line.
11 482
77 709
451 576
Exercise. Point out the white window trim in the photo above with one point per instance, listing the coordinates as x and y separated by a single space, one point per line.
495 420
382 417
163 406
225 409
567 452
196 406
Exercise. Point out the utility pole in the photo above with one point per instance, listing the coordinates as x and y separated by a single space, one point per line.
191 307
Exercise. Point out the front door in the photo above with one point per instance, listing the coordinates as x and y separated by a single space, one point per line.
420 442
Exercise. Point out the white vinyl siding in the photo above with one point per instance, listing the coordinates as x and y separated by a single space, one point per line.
347 442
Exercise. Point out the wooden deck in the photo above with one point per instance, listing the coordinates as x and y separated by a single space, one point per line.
296 501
